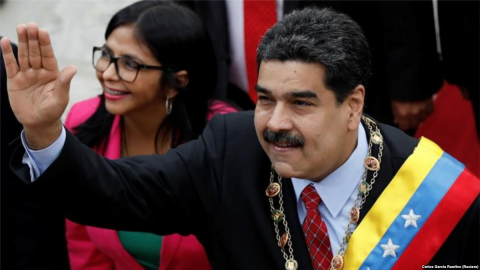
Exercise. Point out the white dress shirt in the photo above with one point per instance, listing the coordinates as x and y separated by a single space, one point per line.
337 191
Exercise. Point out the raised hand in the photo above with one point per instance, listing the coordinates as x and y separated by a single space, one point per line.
37 90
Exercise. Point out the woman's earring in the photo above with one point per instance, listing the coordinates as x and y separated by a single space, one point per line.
168 106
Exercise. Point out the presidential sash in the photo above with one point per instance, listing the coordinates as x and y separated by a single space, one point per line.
414 215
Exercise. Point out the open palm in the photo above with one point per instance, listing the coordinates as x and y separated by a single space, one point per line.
37 91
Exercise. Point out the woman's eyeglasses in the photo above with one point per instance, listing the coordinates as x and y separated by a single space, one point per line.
127 69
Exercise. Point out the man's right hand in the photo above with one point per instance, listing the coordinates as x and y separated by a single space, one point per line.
37 90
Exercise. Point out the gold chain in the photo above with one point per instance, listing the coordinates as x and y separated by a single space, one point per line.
275 189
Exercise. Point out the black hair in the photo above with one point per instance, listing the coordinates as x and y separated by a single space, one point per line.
176 37
321 36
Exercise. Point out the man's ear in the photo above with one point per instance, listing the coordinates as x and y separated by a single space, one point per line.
182 78
355 102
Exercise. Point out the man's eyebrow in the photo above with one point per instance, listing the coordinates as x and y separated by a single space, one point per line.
304 94
262 90
296 93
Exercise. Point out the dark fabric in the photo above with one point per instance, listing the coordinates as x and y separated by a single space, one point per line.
33 232
213 187
401 34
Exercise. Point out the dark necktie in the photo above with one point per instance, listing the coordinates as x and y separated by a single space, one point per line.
315 229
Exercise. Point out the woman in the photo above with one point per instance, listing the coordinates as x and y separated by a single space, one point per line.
157 71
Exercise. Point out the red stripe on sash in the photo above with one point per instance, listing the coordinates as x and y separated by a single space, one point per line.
441 223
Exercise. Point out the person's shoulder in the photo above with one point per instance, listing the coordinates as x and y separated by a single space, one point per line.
220 107
233 122
240 117
81 111
399 143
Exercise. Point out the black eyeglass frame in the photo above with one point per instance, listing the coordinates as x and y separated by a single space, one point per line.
114 60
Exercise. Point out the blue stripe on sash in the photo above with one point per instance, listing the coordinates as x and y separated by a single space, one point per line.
423 202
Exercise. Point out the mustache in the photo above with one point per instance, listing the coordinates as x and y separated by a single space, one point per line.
283 137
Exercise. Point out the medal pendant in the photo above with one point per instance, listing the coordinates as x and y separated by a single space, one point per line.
337 262
376 138
372 163
283 240
363 188
291 265
272 190
277 216
354 215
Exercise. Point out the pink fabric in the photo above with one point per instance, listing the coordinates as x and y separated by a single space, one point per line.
92 248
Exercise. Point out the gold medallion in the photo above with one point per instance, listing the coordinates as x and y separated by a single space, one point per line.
376 138
277 216
354 215
337 262
272 190
372 163
363 188
291 265
283 240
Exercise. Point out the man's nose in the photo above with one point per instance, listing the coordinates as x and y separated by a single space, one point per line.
280 119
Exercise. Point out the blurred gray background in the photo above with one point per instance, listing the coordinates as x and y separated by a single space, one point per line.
75 26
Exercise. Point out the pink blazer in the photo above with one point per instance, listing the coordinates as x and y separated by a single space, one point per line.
92 248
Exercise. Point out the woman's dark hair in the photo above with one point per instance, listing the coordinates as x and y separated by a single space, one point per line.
176 37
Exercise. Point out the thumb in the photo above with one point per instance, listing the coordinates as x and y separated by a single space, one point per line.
62 85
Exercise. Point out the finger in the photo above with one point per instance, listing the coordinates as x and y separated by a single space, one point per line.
23 47
49 62
11 65
62 85
34 55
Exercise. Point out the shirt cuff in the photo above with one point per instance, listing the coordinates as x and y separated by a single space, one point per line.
39 160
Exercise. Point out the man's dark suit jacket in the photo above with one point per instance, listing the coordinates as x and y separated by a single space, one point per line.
401 35
213 187
33 233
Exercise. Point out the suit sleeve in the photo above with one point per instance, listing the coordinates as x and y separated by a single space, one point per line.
172 193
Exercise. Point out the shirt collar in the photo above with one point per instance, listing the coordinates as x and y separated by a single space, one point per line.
338 186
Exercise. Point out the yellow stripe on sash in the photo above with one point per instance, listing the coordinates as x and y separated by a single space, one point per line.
392 200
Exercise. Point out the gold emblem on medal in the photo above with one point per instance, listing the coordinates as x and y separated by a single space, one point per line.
272 190
377 138
372 163
283 240
354 215
291 265
337 262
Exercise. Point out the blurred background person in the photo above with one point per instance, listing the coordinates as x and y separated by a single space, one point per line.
454 125
158 80
459 38
33 232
